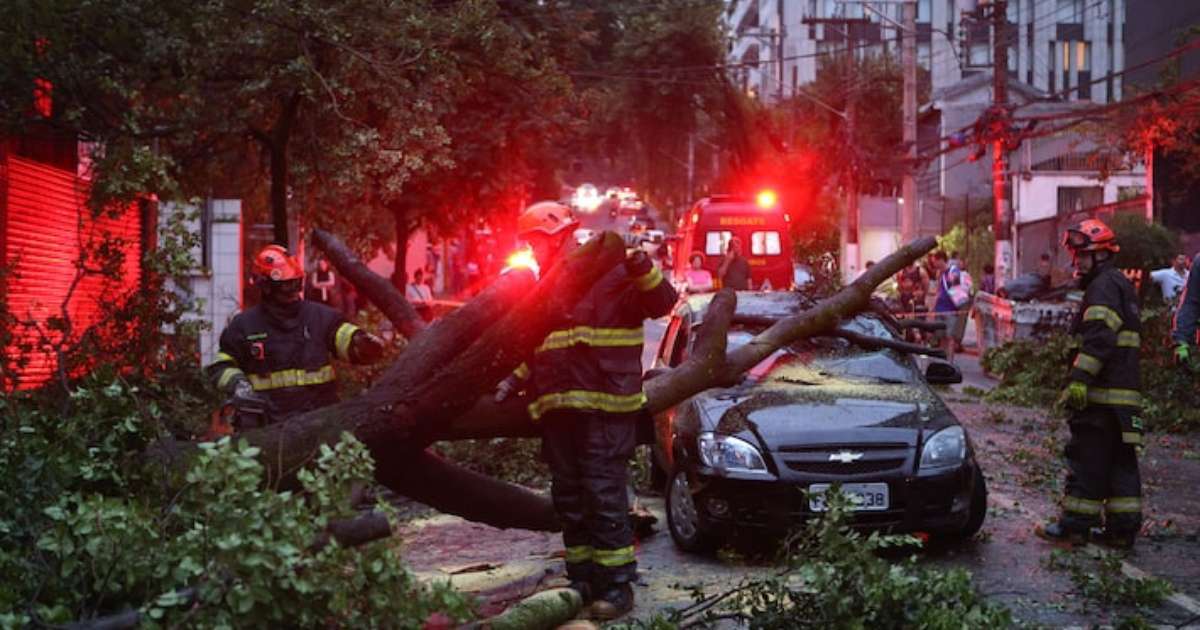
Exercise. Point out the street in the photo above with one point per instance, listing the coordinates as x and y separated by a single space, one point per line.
1020 452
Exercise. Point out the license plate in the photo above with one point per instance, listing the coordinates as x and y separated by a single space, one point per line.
864 497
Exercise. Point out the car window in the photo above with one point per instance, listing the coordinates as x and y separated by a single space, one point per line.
716 241
835 357
765 243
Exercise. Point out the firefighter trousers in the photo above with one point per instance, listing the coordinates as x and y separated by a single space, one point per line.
1103 481
588 455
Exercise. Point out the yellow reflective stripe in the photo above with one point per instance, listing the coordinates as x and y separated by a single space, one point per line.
1131 437
1088 363
613 557
225 358
582 399
577 554
600 337
1124 505
650 280
1105 314
292 378
228 374
522 372
1081 505
1117 397
1129 339
341 340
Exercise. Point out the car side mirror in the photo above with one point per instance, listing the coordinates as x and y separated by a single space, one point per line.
654 373
942 373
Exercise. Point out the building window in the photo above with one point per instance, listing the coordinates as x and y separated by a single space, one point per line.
1075 198
924 55
1070 11
924 9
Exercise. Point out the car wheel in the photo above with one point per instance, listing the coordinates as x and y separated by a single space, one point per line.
978 510
683 518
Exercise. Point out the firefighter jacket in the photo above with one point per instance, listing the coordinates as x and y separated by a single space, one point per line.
288 361
1107 361
594 360
1187 317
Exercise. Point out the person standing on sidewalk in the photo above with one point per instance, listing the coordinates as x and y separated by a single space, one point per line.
1104 398
586 391
1187 319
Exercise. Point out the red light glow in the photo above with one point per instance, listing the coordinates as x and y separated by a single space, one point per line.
523 259
767 199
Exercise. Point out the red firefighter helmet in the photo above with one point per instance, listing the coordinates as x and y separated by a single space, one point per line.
547 217
274 263
1090 235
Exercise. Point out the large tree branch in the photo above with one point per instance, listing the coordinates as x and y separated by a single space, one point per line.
370 285
708 366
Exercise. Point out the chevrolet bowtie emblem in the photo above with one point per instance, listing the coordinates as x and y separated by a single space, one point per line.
845 457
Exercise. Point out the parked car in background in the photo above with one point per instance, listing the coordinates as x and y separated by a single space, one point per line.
819 413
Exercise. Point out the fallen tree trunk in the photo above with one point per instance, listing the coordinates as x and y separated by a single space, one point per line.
442 372
382 294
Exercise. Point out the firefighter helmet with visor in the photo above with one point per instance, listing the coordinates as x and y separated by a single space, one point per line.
548 217
1090 235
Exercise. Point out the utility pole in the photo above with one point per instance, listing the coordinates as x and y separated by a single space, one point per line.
691 166
1002 209
908 51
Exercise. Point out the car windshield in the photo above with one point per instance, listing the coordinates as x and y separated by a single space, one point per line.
812 360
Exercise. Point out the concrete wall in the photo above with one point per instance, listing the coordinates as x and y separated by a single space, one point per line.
217 287
1037 197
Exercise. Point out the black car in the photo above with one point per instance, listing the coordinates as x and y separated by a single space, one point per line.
759 454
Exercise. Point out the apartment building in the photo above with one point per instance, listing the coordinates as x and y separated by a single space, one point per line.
1066 48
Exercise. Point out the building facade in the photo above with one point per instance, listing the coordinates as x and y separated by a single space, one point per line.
1072 49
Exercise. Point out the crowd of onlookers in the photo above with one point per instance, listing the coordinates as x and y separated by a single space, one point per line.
939 287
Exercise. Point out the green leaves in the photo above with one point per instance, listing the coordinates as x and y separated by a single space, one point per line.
225 551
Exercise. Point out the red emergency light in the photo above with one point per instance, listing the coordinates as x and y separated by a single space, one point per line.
767 199
522 259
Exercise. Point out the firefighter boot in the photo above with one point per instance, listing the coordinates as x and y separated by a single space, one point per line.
1113 539
614 602
1056 533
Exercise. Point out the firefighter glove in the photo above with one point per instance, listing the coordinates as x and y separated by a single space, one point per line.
1074 397
1183 357
638 264
506 388
246 400
365 347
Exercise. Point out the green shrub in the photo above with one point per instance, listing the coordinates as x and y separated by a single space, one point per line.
1034 372
94 533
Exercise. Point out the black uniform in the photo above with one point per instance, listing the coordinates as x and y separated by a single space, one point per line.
587 392
1101 455
288 360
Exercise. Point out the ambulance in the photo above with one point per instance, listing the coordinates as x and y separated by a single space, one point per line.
761 224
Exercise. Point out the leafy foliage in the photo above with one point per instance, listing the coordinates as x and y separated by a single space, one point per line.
1144 245
1034 372
1100 580
95 534
835 578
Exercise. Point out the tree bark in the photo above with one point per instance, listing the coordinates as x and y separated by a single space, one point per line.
403 234
280 135
389 301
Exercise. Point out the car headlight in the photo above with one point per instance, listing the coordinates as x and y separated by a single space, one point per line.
947 447
729 454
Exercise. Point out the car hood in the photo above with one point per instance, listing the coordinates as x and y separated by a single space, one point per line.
782 415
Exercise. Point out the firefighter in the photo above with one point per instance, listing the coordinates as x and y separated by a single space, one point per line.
1187 318
1104 399
274 360
585 383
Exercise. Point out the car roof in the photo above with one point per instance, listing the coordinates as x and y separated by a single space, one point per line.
770 304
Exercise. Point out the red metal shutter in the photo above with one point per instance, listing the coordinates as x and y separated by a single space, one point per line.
48 224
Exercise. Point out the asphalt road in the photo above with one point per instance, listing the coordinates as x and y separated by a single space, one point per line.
1019 451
